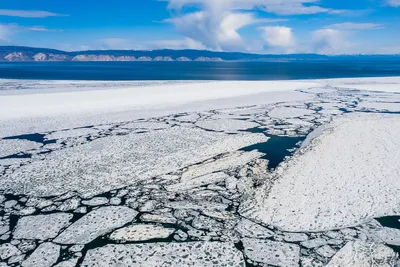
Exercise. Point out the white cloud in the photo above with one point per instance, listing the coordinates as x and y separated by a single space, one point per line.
354 26
186 43
28 13
39 29
278 36
393 3
217 30
116 43
8 30
127 44
297 8
216 24
5 33
281 7
329 41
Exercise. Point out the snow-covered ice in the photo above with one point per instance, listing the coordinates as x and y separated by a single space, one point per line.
358 253
95 224
141 232
109 163
41 227
207 254
176 173
334 183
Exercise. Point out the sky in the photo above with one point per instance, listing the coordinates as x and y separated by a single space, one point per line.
254 26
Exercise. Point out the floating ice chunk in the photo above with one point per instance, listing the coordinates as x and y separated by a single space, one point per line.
207 179
226 125
7 251
4 228
314 243
70 204
326 251
299 122
148 206
146 125
141 232
271 252
380 106
159 218
205 254
10 203
206 223
248 228
198 205
314 134
96 201
289 112
45 256
295 237
68 263
113 162
95 224
363 254
390 236
14 146
41 227
233 160
188 118
386 84
73 133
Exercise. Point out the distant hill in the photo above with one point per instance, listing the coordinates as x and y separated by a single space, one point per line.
21 53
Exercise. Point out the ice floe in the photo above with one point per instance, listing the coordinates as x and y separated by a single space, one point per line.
14 146
229 126
95 224
41 227
228 161
271 253
45 255
141 232
289 112
106 164
358 253
333 183
205 254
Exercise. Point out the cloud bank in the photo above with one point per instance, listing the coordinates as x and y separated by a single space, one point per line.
28 13
393 3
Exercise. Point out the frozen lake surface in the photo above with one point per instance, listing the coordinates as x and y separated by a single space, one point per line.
206 173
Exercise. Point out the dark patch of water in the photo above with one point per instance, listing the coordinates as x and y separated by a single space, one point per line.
390 221
276 148
17 156
36 137
13 221
380 112
395 248
344 110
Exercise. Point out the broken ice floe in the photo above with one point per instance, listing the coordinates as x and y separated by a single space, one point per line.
166 254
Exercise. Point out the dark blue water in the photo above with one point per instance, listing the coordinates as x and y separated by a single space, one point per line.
199 70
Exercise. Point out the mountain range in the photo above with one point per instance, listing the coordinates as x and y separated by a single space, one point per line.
22 53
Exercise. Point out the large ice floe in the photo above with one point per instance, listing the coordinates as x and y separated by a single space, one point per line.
347 176
286 173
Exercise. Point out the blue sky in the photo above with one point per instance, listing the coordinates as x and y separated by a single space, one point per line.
257 26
